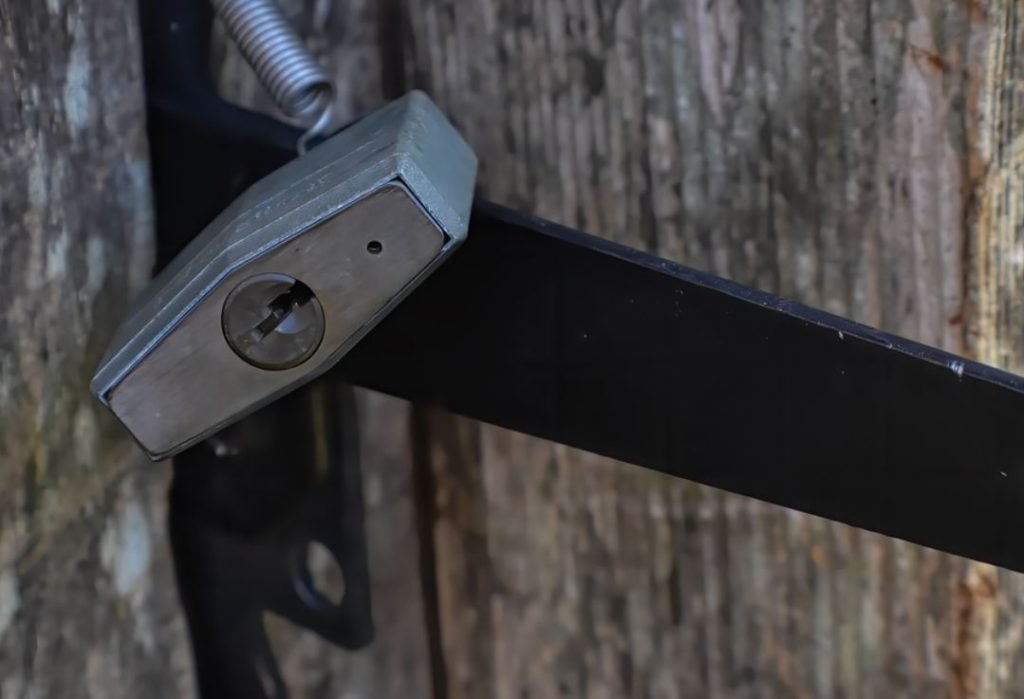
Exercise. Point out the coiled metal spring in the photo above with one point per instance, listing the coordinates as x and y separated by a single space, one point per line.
300 87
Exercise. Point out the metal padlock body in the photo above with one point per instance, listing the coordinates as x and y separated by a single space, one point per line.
360 220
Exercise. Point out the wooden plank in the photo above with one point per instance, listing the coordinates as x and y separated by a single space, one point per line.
87 601
348 36
991 602
838 151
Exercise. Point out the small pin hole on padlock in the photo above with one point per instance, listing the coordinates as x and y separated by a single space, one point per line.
374 247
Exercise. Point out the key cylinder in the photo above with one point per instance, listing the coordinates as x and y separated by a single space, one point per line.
273 321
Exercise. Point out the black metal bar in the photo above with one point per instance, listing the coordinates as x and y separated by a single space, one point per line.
558 334
244 508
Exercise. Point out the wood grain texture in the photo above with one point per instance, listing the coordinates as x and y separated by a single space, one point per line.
348 38
856 155
87 602
992 601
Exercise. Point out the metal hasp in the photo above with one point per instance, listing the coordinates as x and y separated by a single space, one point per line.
246 507
602 347
359 221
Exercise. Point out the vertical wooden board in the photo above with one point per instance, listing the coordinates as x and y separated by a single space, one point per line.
87 601
826 149
992 601
350 39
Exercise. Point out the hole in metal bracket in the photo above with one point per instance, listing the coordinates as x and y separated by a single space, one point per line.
374 247
319 579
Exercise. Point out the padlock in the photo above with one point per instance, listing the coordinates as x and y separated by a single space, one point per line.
290 276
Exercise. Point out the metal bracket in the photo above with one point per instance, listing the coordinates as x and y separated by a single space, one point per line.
245 508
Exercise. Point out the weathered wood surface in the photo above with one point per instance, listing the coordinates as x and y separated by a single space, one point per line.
87 600
863 156
992 601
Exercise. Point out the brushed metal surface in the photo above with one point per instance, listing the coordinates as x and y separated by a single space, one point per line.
193 381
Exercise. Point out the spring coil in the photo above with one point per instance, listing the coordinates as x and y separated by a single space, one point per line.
299 86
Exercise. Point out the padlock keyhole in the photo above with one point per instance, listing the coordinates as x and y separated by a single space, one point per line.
282 317
273 321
